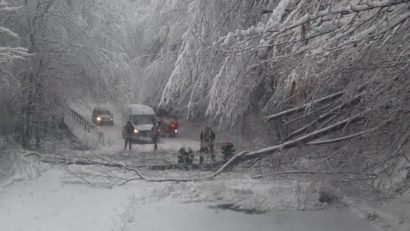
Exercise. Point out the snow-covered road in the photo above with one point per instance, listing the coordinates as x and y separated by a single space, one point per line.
113 138
55 200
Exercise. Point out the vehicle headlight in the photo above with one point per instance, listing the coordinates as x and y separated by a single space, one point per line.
176 130
99 118
136 131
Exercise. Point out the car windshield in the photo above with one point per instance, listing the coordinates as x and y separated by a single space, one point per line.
143 119
164 113
103 112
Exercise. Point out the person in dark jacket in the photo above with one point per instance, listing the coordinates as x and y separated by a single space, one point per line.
227 150
128 132
185 156
155 135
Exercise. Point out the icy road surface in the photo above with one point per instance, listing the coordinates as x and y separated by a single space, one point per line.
55 200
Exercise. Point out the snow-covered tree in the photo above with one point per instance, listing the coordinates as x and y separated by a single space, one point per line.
74 48
10 51
308 64
253 64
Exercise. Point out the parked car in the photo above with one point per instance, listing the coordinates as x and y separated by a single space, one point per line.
168 123
101 116
143 119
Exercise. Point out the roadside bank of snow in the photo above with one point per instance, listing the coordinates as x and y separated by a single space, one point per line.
52 199
49 203
168 215
386 215
46 203
247 194
15 167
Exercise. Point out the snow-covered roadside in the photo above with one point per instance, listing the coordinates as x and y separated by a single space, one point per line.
53 200
46 203
14 167
386 215
170 215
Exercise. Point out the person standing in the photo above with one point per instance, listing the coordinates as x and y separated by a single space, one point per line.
155 135
128 132
207 138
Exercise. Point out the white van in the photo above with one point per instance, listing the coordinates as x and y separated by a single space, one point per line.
142 118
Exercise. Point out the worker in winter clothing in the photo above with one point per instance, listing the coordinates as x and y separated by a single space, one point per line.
128 132
207 138
185 156
227 151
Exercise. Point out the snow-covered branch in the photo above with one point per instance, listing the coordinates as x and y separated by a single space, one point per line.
8 32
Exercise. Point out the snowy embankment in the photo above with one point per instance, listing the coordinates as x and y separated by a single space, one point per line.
14 167
51 198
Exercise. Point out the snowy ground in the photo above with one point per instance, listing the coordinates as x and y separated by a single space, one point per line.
43 197
56 200
47 197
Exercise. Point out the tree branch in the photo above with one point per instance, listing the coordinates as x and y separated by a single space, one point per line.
321 142
324 117
303 107
353 8
312 172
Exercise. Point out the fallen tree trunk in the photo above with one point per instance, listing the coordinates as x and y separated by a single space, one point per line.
314 172
303 107
306 138
245 156
286 123
324 116
112 164
339 139
66 161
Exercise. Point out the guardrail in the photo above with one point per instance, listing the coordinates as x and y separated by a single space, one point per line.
89 134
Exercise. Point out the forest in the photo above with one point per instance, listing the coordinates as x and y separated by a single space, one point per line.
313 90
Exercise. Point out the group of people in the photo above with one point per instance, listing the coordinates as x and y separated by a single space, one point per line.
207 151
186 156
